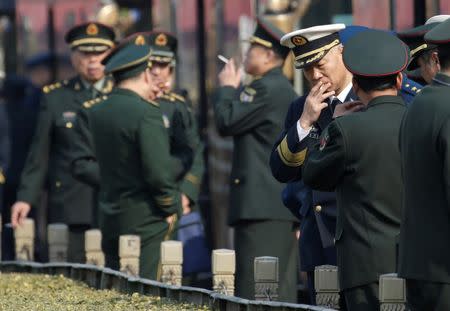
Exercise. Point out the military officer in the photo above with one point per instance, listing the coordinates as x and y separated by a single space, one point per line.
138 192
410 88
178 117
424 258
254 117
423 54
361 160
69 201
318 51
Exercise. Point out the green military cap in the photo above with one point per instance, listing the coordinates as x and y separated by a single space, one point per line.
311 44
439 35
90 37
164 46
266 34
375 53
414 38
128 59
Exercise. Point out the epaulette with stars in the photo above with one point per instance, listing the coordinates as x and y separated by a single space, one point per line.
167 97
88 104
178 97
51 87
411 88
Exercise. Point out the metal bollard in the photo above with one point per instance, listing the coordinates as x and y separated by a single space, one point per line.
171 262
24 238
223 269
93 248
326 282
58 242
392 293
266 278
129 252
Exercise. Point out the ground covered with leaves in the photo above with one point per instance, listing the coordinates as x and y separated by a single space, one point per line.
39 292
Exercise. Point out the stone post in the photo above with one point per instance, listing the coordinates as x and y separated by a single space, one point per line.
223 269
129 252
392 293
58 242
24 237
171 262
93 248
326 282
266 278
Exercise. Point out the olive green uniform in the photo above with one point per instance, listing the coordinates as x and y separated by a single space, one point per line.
185 145
425 138
137 188
360 155
50 157
263 226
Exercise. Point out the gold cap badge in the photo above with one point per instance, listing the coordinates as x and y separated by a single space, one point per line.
140 40
299 40
92 29
161 39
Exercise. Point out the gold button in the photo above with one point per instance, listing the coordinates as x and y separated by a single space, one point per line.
318 208
69 125
58 184
236 181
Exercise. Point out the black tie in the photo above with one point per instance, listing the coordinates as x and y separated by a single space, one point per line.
332 102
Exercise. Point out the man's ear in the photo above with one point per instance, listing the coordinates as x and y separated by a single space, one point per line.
399 81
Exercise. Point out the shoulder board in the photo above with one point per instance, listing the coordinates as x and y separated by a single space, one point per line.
153 102
178 97
108 86
249 90
168 97
88 104
411 88
48 88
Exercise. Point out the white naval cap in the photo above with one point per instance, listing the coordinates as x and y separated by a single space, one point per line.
309 45
437 19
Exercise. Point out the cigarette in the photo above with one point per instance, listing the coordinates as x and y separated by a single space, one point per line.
223 58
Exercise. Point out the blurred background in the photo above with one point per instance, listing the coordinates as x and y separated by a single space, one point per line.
32 46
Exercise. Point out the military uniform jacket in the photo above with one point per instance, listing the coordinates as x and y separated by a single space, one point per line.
425 150
137 185
185 145
286 160
360 156
254 118
50 156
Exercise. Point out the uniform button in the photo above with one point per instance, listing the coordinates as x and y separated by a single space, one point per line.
318 208
58 184
69 125
237 181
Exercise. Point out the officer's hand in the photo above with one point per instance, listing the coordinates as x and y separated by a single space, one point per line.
19 211
315 102
230 75
170 219
347 108
186 204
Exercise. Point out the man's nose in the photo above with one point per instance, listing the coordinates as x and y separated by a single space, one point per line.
317 74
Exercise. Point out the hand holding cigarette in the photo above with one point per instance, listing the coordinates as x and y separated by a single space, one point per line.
230 75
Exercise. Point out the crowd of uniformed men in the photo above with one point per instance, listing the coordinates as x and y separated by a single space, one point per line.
365 162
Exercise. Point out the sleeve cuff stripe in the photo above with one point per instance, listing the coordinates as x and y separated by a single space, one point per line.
289 158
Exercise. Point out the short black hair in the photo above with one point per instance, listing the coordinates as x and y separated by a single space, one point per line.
426 55
444 56
368 84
